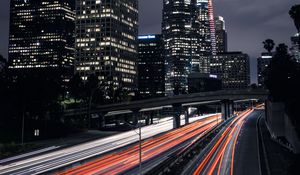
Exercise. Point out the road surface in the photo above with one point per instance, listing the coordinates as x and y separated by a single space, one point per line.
247 150
61 158
233 151
157 148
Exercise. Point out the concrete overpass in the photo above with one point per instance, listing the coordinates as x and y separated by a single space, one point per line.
226 97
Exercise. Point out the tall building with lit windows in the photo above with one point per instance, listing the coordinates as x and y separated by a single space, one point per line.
107 41
233 68
221 35
263 63
151 66
206 16
186 40
207 33
42 35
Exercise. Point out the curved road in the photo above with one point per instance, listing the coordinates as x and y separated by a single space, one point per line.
235 150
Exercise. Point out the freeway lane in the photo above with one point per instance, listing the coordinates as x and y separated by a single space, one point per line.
218 157
247 150
170 142
56 159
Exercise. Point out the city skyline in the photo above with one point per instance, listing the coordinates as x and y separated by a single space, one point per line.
149 87
268 20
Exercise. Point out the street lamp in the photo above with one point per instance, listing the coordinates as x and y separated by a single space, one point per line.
140 141
140 147
23 126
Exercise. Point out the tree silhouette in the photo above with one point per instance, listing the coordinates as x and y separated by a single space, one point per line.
76 87
3 64
269 45
3 88
91 86
281 77
177 87
2 59
3 69
295 15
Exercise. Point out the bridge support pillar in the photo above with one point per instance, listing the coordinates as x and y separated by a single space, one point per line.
135 116
176 115
231 108
101 122
151 118
225 109
187 116
199 112
147 120
266 111
117 122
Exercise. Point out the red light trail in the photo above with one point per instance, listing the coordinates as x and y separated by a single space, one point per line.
123 160
222 152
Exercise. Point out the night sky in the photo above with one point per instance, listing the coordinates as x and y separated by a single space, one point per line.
248 23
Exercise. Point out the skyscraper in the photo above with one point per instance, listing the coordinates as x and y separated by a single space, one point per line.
185 28
207 33
41 34
233 68
295 47
221 35
211 25
151 66
106 41
263 63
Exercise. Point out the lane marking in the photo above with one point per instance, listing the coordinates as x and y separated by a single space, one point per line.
259 135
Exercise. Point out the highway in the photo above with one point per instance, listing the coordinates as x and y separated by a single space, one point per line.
154 151
68 156
248 146
219 156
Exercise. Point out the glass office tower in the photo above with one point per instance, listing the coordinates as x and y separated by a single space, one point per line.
233 68
107 41
221 35
186 44
41 35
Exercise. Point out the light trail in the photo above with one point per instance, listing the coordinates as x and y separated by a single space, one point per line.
123 160
220 157
60 158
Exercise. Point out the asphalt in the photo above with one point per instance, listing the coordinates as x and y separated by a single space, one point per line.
57 159
246 158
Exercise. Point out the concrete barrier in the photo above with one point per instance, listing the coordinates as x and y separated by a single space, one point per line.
275 122
280 125
291 134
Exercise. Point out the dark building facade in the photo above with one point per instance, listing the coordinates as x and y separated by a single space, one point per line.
263 63
233 68
151 66
186 48
221 35
42 35
203 83
107 41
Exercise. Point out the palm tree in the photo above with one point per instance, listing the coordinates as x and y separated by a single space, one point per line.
3 62
269 45
295 15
